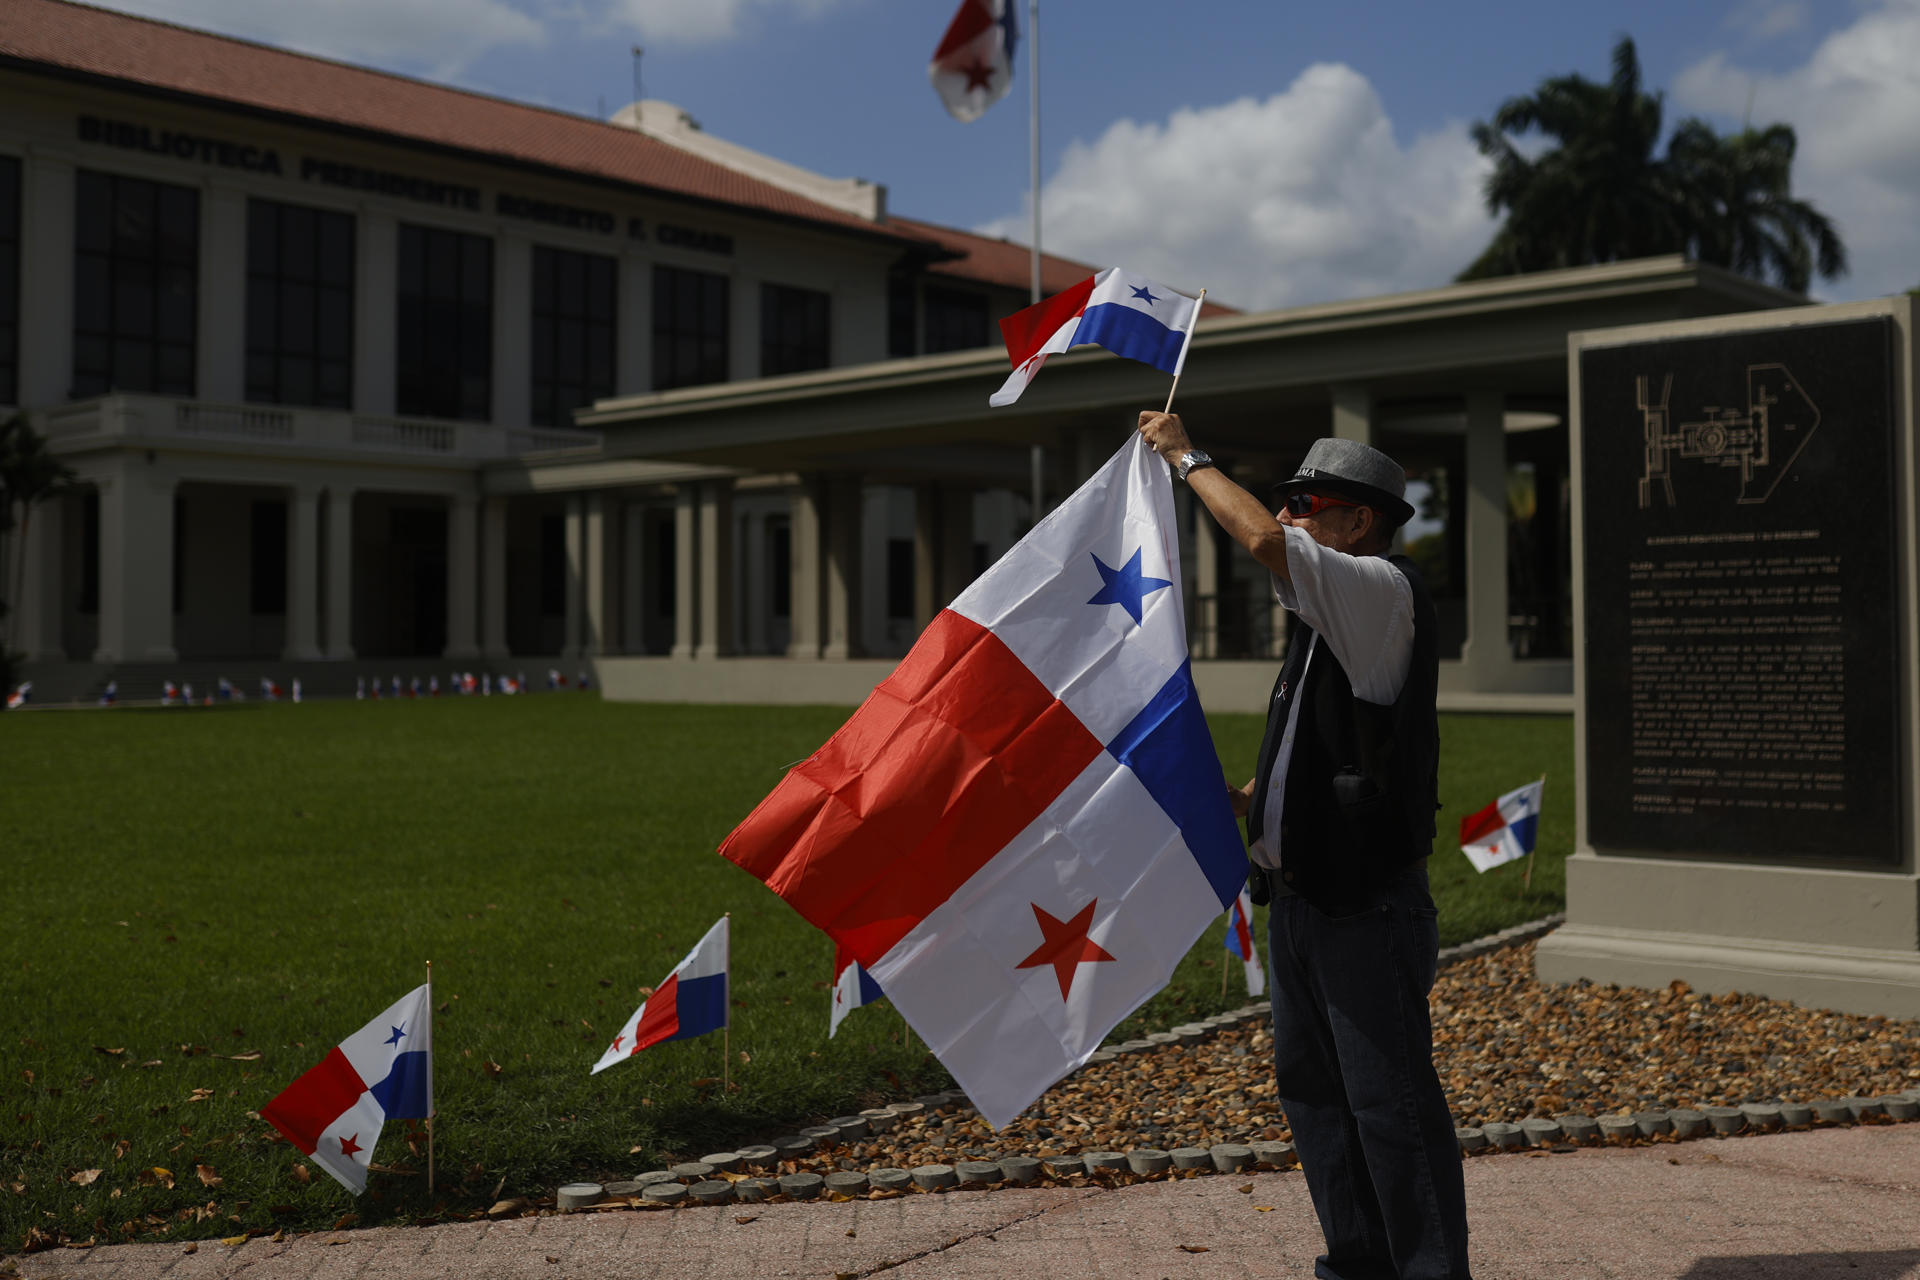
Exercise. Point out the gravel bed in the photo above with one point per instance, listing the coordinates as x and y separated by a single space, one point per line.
1513 1054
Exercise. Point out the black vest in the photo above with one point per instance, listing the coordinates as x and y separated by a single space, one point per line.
1363 780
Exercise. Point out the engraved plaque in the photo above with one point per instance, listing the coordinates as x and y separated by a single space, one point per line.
1741 660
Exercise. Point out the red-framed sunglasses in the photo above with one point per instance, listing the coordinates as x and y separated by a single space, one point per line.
1312 504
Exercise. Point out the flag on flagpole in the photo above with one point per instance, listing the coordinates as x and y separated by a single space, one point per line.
691 1002
1504 831
853 986
1240 942
1025 827
1127 314
383 1071
973 67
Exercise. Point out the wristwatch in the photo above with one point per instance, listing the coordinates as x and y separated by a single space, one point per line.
1193 460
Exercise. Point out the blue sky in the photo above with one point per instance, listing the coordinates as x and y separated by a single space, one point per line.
1280 153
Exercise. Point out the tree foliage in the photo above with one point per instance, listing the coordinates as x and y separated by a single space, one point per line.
1600 192
29 475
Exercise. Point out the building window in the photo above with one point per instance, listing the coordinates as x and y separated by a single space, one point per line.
689 328
9 280
899 577
299 305
553 566
901 301
956 320
573 332
136 268
269 569
444 347
796 332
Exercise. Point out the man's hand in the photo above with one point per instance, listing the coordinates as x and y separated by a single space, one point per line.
1166 434
1241 798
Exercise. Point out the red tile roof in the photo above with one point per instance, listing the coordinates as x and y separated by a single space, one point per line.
1003 263
79 39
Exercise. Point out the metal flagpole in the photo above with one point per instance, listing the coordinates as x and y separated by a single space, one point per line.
1036 455
430 1107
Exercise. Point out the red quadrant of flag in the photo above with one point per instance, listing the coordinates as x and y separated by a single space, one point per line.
315 1101
954 755
661 1017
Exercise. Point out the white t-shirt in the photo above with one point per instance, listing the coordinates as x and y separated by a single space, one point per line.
1362 608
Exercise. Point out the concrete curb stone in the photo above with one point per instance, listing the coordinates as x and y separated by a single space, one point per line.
664 1193
712 1191
724 1161
1578 1127
1231 1157
1021 1170
1147 1160
1725 1119
1540 1132
1796 1115
1761 1116
753 1190
579 1195
1191 1158
1832 1111
935 1177
1471 1138
977 1173
846 1183
889 1179
1104 1161
1505 1136
1686 1122
802 1186
1618 1128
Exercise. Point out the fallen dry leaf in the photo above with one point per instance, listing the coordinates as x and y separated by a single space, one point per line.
300 1174
85 1177
492 1069
346 1220
27 1076
121 1148
1246 1190
200 1095
111 1053
744 1218
247 1055
233 1241
190 1247
280 1236
208 1178
1263 1208
1195 1248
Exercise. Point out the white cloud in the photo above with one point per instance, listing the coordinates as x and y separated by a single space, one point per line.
1855 107
439 36
1758 20
703 21
1304 197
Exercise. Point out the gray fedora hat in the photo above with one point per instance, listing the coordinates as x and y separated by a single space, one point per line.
1357 471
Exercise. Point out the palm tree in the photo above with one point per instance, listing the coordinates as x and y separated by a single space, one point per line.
1744 215
1598 195
29 475
1601 194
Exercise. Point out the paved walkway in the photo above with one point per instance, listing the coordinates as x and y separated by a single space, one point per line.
1794 1206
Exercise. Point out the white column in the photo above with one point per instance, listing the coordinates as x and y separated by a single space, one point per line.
223 298
846 500
926 555
375 314
46 280
463 574
1205 641
686 534
303 575
136 563
493 587
1352 412
804 569
36 623
576 542
339 573
716 570
513 331
1487 648
594 637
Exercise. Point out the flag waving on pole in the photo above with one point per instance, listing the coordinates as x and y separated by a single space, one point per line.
1025 827
853 986
383 1071
691 1002
1504 831
1240 942
973 67
1129 315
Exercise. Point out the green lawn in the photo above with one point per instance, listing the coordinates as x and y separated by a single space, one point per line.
202 903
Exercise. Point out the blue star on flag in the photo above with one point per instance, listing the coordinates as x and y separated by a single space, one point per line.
398 1032
1126 586
1145 294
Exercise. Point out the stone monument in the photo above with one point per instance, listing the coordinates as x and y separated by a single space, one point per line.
1745 682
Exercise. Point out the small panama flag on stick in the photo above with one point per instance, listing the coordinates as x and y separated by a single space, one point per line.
1240 944
383 1071
1505 830
691 1002
1127 314
853 986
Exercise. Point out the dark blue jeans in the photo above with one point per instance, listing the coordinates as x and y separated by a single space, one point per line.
1353 1056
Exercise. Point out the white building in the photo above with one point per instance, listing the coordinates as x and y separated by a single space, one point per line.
360 372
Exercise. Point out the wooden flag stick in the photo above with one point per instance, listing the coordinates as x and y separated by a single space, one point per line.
430 1107
1181 363
726 1028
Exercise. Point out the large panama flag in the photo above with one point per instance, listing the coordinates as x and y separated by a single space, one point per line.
1025 827
383 1071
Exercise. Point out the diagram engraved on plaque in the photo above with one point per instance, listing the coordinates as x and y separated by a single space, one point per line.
1762 440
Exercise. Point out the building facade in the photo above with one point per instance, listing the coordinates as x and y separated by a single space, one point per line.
359 372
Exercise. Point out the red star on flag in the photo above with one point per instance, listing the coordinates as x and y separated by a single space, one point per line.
979 75
349 1145
1066 946
617 1039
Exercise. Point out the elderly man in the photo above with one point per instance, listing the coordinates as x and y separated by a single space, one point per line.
1339 821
